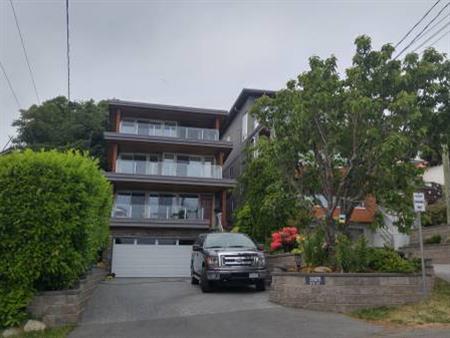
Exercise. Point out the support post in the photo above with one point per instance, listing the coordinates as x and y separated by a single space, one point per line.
224 208
446 168
422 258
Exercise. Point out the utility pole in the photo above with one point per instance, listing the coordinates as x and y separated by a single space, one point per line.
446 168
419 207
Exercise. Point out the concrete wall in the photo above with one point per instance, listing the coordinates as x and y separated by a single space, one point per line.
347 291
57 308
279 262
439 253
427 232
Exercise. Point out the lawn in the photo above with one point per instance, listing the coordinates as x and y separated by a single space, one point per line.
435 310
58 332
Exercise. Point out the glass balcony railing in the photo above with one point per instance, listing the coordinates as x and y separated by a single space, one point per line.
169 168
168 130
159 212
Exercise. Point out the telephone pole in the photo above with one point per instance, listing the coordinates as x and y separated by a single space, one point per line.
446 169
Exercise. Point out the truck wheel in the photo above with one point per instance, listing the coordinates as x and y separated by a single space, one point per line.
260 285
205 284
194 281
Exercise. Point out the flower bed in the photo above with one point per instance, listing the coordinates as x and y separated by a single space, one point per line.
344 292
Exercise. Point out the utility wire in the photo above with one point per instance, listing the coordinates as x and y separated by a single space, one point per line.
422 31
416 24
10 85
440 30
68 50
25 52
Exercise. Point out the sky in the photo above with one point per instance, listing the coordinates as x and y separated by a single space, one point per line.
192 53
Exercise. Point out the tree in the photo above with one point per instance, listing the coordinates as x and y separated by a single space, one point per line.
268 202
58 124
345 138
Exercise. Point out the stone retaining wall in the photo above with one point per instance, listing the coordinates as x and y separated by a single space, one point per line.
56 308
347 291
427 232
438 253
280 261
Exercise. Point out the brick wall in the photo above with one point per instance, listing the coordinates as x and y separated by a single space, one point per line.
427 232
347 291
280 262
439 253
57 308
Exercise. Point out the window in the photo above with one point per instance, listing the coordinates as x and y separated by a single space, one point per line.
146 241
167 241
126 164
190 206
170 129
141 164
138 205
124 240
143 128
128 126
122 207
244 126
185 242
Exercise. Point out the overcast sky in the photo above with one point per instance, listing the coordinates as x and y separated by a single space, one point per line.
183 52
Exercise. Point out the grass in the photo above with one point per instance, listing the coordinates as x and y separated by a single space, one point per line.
434 310
58 332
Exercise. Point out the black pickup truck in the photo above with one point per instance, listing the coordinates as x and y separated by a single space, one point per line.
223 257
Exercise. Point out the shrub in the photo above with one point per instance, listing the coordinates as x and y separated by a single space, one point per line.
435 239
388 260
54 214
436 214
352 257
313 245
284 239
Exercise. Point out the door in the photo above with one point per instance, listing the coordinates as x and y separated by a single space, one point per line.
151 257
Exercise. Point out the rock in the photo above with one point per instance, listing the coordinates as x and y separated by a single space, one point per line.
34 325
322 269
12 331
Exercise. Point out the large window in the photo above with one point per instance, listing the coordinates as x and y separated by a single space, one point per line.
244 126
155 205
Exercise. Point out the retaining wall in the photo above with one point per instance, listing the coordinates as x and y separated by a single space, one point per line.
57 308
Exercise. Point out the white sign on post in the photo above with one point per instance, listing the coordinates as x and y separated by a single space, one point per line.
419 201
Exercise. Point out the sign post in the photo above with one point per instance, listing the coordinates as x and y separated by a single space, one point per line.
419 206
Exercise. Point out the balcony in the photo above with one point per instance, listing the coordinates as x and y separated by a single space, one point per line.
167 129
157 212
166 168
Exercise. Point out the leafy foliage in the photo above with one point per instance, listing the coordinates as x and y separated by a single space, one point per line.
267 202
58 124
388 260
436 214
347 138
54 214
435 239
314 248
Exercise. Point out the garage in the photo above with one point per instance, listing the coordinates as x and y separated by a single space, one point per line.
151 257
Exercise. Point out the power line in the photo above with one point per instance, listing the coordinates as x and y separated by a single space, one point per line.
25 52
10 85
417 23
440 30
422 31
68 50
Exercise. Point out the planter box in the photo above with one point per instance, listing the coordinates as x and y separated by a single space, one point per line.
345 292
279 262
57 308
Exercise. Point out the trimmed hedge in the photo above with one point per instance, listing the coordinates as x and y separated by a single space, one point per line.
54 221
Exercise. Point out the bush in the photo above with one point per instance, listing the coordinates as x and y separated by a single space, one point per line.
436 214
313 246
352 257
435 239
284 239
54 214
388 260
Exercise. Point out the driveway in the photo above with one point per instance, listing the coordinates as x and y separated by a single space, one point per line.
173 308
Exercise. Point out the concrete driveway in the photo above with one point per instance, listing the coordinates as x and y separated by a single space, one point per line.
174 308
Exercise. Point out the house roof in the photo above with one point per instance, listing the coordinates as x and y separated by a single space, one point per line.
242 98
157 106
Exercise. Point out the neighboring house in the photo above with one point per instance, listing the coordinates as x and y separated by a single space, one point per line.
165 164
434 174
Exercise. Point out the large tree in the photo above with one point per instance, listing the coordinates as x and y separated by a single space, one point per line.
58 124
347 137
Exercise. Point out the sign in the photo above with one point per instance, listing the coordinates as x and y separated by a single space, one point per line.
315 280
419 201
342 218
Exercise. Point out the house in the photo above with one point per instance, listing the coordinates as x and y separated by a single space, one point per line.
165 164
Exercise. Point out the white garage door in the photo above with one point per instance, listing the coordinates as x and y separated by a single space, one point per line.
151 257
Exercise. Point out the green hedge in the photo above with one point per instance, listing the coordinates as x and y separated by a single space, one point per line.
54 214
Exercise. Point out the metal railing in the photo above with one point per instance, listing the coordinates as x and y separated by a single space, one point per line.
163 212
179 169
188 133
